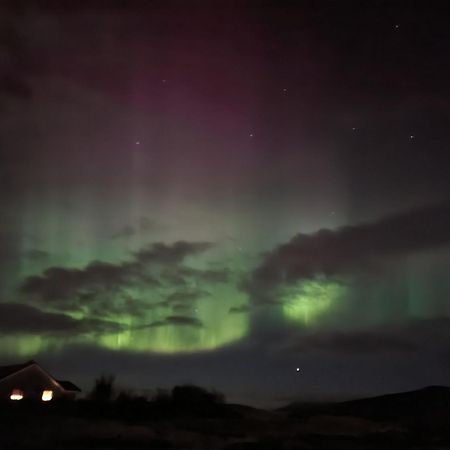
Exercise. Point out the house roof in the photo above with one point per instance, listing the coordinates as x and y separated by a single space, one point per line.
69 386
6 371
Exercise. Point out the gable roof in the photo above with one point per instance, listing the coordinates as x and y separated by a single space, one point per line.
69 386
6 371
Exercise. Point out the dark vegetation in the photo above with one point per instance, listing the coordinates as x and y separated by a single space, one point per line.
190 417
182 401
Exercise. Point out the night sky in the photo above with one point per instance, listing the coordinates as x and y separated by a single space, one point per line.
251 196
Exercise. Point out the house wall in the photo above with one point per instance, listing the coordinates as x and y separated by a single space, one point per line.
32 381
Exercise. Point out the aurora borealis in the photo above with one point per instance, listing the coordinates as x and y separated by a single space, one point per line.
221 194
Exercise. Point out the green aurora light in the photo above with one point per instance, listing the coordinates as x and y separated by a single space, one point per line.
307 301
218 327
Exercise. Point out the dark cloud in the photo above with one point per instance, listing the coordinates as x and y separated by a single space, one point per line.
171 254
99 326
175 277
182 300
21 318
353 343
181 308
178 321
105 288
350 248
188 296
239 309
214 276
208 275
58 284
180 275
398 338
102 303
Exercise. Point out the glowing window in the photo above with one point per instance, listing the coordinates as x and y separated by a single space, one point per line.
16 394
47 396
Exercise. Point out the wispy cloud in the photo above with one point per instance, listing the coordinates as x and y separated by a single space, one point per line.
350 249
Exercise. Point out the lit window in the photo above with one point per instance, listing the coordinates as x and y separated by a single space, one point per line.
47 396
16 394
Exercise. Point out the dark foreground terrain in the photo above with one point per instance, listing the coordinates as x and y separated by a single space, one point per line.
412 420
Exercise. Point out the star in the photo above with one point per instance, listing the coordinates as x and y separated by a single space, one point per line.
250 135
138 142
354 129
297 369
411 137
397 26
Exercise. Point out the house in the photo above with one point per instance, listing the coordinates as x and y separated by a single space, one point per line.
31 381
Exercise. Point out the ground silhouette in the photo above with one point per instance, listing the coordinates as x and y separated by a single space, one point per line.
191 417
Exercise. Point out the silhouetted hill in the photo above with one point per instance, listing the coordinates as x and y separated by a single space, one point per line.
307 409
250 412
423 404
196 419
428 408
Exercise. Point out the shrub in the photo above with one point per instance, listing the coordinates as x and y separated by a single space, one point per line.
103 390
